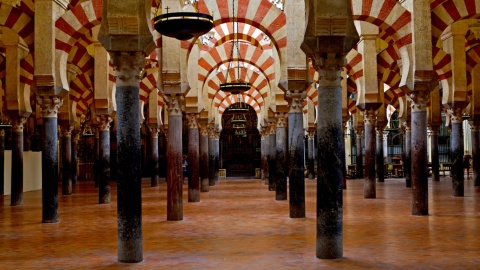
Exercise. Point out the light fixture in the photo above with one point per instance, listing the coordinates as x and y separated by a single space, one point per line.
237 126
182 25
239 118
238 86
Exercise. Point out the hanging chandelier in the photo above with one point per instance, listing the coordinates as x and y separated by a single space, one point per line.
182 25
238 86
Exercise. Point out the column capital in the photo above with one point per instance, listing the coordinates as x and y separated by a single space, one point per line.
456 114
329 69
49 105
281 120
359 131
203 130
192 120
213 132
67 129
174 104
104 121
311 133
128 66
295 100
17 123
370 117
272 128
419 100
379 130
154 130
385 135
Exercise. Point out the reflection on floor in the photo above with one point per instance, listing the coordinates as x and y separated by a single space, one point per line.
239 225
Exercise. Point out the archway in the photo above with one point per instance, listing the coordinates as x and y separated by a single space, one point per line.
240 141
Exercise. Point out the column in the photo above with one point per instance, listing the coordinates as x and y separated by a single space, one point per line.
344 158
154 166
174 159
17 160
359 158
329 243
216 149
67 158
2 163
379 155
456 150
385 146
310 162
103 169
211 156
435 155
265 144
49 105
419 157
193 162
475 151
407 164
281 157
74 168
204 167
129 192
96 154
370 118
296 150
272 164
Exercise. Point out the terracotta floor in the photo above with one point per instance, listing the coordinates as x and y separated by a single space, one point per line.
239 225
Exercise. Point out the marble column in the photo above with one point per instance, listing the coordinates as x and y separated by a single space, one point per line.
475 151
193 162
385 146
204 166
216 149
129 192
419 157
380 161
16 197
96 154
329 226
272 162
174 152
103 168
154 165
74 168
49 105
296 150
281 158
2 163
407 164
265 145
310 161
67 159
370 118
435 154
211 157
359 158
457 150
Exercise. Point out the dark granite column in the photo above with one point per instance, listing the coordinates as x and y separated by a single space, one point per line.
265 145
49 105
272 162
359 158
329 242
475 151
67 158
74 168
17 160
344 158
174 159
434 153
310 161
129 192
103 129
296 150
216 149
419 158
96 154
457 149
380 161
154 165
370 119
204 167
407 165
281 158
211 156
193 163
2 163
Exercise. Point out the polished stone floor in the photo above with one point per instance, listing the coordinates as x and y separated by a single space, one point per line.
239 225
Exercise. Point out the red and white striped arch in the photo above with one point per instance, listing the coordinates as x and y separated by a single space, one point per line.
71 27
351 88
81 94
393 19
444 13
354 66
19 21
230 99
260 14
79 57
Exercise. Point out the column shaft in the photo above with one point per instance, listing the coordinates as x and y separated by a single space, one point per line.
74 168
272 162
104 159
310 162
96 154
457 158
154 165
281 159
369 191
379 155
174 167
193 163
211 160
407 165
204 168
475 154
67 161
435 155
359 159
17 161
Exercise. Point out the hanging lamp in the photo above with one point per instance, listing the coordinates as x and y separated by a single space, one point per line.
238 86
182 25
